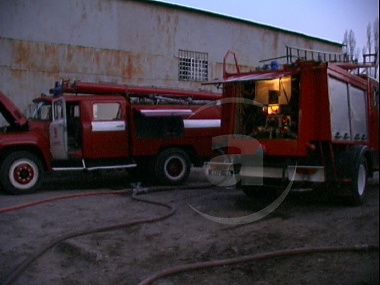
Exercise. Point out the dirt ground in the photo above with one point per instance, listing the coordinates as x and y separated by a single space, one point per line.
132 254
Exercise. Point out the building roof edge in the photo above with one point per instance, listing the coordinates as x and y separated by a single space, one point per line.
232 18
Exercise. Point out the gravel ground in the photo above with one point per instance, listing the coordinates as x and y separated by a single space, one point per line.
132 253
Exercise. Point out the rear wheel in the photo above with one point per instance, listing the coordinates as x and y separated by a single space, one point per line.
359 181
172 166
21 173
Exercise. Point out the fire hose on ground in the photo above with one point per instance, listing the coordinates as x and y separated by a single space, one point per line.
171 270
65 197
251 258
23 266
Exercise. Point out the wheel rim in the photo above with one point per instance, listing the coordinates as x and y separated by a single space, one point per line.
23 174
175 167
361 183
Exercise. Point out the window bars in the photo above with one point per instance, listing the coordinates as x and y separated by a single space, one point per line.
192 66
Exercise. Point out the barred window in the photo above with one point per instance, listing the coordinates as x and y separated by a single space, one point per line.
192 66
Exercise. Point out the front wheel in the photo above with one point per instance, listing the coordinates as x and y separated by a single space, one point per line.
21 173
172 166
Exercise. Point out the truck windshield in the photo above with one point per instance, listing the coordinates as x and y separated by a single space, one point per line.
272 108
3 123
41 111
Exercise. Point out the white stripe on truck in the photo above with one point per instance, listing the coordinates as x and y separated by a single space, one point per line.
205 123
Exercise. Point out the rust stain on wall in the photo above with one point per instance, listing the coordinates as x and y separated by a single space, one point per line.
17 74
128 71
20 52
99 62
34 56
55 58
275 45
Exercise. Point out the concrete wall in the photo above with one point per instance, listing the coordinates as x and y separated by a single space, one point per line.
131 42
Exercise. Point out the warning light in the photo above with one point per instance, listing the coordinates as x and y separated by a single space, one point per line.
273 109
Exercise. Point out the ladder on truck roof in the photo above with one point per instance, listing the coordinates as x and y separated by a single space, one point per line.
293 54
369 66
344 60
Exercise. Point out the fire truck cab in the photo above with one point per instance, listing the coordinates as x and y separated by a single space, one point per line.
311 123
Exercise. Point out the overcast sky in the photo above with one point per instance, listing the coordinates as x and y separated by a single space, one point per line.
326 19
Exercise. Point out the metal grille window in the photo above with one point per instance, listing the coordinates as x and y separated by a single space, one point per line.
193 66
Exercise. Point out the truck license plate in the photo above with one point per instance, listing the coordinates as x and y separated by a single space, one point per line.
220 173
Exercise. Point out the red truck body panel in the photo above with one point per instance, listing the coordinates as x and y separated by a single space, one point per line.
314 107
199 128
103 144
318 120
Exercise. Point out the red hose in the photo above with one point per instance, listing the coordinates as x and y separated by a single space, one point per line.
35 203
172 270
251 258
23 266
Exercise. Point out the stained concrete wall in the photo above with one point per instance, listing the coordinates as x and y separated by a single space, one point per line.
124 41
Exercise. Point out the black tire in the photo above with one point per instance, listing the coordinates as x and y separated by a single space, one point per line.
172 167
359 181
21 173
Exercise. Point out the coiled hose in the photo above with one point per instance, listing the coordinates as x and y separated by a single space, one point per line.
23 266
171 270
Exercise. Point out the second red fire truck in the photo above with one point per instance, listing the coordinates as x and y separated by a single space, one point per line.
93 126
313 123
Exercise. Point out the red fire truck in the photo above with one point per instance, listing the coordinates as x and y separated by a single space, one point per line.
91 126
312 123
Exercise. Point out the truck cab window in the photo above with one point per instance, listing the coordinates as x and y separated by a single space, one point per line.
42 111
58 110
3 124
106 111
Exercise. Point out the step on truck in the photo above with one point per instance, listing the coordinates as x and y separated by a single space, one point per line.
312 124
154 133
